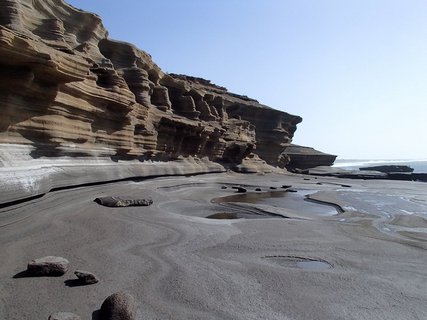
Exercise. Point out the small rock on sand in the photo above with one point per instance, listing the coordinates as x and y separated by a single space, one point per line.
48 266
123 202
119 306
86 277
64 316
240 189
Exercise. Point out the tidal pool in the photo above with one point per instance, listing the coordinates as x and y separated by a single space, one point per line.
295 201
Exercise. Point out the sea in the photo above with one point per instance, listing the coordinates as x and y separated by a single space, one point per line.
419 166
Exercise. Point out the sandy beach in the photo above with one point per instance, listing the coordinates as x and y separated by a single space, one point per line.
285 258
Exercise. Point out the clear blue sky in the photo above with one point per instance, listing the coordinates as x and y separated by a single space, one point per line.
355 70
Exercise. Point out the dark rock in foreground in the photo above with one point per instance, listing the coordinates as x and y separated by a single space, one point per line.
47 266
118 306
64 316
123 202
388 169
86 277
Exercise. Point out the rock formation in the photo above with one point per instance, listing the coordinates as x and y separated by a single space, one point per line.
389 169
300 157
67 91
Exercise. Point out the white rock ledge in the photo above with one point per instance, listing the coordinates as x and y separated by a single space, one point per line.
33 178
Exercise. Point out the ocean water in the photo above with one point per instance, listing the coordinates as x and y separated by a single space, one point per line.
419 166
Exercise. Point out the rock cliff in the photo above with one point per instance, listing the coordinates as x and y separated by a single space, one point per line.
67 91
301 157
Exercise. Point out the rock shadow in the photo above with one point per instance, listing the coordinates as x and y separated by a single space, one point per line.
22 274
76 283
28 274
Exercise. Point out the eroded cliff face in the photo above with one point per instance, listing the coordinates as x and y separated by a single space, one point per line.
67 90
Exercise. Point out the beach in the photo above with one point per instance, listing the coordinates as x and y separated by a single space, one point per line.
357 251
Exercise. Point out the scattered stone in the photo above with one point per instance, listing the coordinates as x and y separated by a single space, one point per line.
273 188
118 306
123 202
291 190
224 187
300 171
64 316
240 189
48 266
286 186
258 189
306 179
319 183
86 277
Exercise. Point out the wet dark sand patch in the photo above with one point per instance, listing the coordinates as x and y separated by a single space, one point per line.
300 262
223 215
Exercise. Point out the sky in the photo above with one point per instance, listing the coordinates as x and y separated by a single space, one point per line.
354 70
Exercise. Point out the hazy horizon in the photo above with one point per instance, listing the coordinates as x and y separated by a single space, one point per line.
354 70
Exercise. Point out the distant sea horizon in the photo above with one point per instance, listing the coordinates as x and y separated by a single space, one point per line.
419 165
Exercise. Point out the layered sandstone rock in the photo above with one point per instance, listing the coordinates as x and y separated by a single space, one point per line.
301 157
67 91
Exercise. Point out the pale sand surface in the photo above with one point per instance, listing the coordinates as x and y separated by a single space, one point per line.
180 265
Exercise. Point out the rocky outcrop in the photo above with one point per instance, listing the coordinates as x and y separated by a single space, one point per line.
389 169
67 91
365 174
300 157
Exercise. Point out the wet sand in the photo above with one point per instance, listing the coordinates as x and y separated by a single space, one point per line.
365 262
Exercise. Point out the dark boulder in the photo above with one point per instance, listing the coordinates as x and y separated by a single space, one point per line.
240 189
119 306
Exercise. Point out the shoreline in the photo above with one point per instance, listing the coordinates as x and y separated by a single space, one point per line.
180 265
